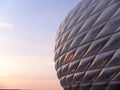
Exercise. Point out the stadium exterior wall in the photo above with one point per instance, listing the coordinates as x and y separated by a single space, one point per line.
87 49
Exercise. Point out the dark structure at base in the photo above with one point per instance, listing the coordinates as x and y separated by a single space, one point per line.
87 50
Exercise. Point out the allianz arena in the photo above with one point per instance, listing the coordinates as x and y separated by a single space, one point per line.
87 49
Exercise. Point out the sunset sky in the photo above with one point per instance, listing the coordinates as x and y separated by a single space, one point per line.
27 38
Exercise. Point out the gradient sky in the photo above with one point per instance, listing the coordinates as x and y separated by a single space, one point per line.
27 38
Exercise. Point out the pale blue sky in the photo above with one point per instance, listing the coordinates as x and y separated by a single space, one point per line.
34 21
27 34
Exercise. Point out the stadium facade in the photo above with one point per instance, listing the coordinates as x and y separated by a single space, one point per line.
87 49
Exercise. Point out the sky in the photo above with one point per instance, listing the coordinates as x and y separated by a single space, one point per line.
27 38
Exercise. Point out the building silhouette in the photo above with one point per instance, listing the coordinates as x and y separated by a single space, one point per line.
87 49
